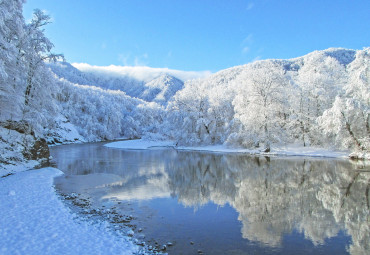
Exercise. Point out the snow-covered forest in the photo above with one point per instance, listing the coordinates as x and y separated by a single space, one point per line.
321 99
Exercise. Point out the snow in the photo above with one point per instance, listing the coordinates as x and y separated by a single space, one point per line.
66 132
139 144
295 150
289 150
11 152
35 221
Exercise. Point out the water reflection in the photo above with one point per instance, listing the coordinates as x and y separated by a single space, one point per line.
272 196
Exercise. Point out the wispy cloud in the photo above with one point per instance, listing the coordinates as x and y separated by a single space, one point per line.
246 44
141 60
143 73
248 39
250 6
124 58
128 59
245 50
257 58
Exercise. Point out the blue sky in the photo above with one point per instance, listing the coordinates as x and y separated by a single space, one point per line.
196 35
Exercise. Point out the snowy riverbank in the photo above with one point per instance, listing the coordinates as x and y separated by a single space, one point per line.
35 221
292 150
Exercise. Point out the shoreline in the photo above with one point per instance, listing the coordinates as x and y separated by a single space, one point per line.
35 220
283 151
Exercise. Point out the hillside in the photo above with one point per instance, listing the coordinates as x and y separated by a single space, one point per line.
320 99
150 84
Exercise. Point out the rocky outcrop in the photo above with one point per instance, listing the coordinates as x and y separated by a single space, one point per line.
19 145
21 127
39 150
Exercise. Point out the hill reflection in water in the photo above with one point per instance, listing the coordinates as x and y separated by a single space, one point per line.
272 196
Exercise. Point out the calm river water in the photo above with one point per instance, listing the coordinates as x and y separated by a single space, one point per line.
211 203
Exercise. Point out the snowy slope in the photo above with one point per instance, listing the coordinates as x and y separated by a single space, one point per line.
126 83
149 84
343 56
161 89
320 100
35 221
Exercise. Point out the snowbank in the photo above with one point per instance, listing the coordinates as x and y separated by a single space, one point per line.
289 150
139 144
35 221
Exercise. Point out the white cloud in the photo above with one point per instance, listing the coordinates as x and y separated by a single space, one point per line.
143 73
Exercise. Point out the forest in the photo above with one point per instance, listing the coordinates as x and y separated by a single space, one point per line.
321 99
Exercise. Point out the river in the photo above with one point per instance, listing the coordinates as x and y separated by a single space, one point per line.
214 203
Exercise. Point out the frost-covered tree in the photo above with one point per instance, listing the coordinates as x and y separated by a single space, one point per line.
347 121
275 101
26 84
188 112
11 67
24 113
261 104
37 91
320 79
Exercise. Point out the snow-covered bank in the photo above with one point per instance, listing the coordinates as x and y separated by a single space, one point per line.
139 144
35 221
19 148
290 150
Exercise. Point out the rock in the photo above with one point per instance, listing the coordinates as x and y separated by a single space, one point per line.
39 150
130 233
266 150
21 127
34 148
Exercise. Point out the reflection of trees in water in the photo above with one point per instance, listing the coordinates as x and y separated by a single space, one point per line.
272 196
94 158
275 196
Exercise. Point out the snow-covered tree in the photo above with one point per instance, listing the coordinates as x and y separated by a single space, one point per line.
348 120
188 112
11 68
261 103
320 79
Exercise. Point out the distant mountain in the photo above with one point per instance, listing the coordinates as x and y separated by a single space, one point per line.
161 89
150 84
343 56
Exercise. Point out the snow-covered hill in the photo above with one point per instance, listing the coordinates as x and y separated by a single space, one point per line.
319 99
149 84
